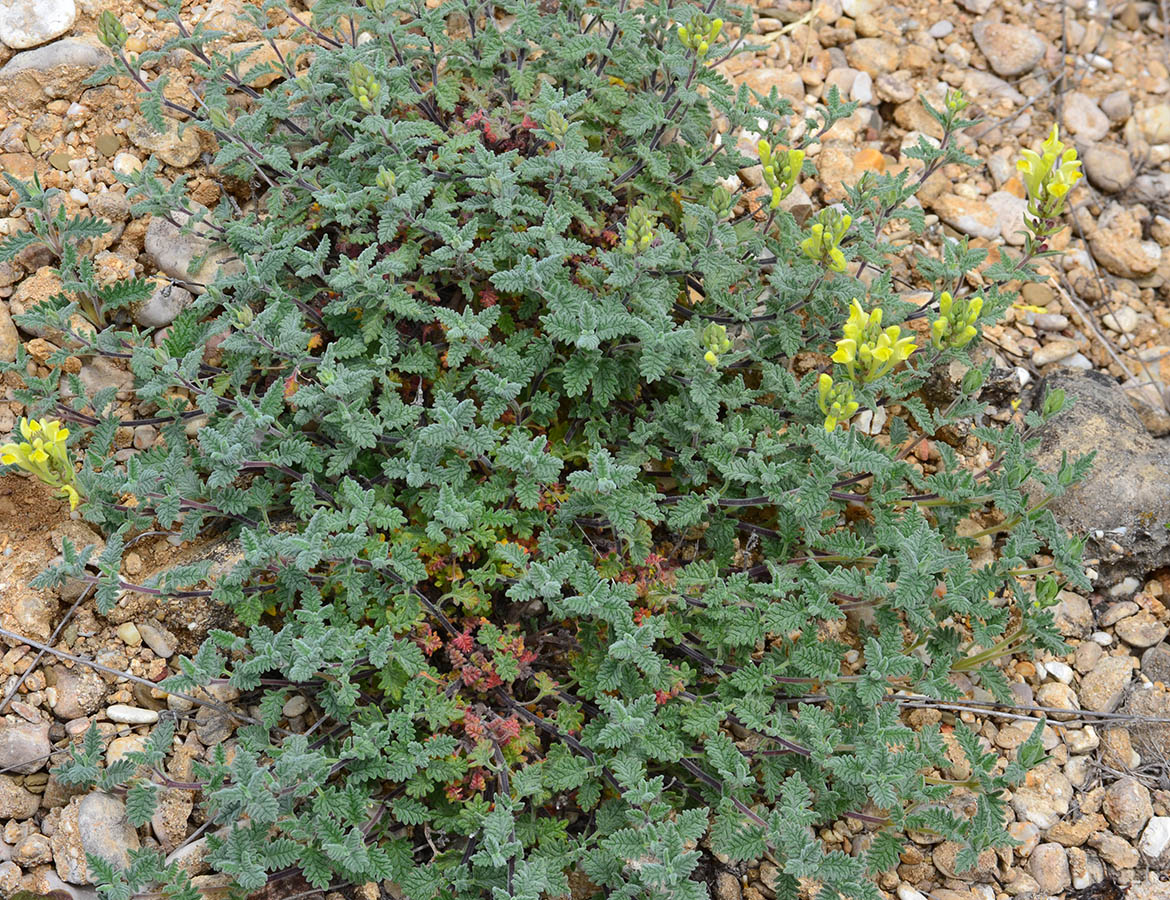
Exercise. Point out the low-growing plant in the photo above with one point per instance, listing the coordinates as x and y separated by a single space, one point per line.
596 555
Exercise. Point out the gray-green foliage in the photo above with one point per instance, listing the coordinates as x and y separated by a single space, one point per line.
563 592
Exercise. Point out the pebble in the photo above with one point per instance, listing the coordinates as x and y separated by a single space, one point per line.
1044 797
1127 806
24 747
128 634
1049 866
1108 167
973 218
296 705
126 163
30 23
1010 49
1062 672
9 336
941 29
1141 630
1156 838
1117 106
1051 321
1123 320
1009 215
16 802
1083 117
131 715
162 307
1154 123
1103 688
1053 351
158 640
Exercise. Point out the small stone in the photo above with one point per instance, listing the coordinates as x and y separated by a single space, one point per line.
979 7
1123 320
971 217
1054 351
1058 696
1044 797
1108 167
15 801
131 715
1156 837
1051 321
1117 106
1010 49
30 23
944 859
1141 630
33 850
1009 215
1116 851
1156 663
1062 672
1127 806
874 56
1154 123
296 705
162 307
120 746
60 160
1083 118
80 692
940 30
128 634
9 336
1103 688
108 144
126 163
727 887
158 640
1073 834
24 747
1117 750
178 147
1049 866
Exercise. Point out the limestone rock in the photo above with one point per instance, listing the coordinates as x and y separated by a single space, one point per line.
1010 49
30 23
173 251
94 824
55 70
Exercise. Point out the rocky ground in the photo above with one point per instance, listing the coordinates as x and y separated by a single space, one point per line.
1094 821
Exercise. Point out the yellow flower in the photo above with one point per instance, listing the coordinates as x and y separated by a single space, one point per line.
781 170
835 400
43 453
1048 176
824 240
955 326
867 350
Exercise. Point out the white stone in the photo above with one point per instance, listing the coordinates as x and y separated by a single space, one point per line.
131 715
1156 837
30 23
906 892
1062 672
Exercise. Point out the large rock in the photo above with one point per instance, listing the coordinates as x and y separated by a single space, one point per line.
30 23
57 70
174 251
1103 687
1010 49
79 692
95 824
1122 505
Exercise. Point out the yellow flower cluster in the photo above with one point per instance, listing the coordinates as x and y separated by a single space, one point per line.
781 170
43 453
869 351
363 85
700 34
1048 176
716 341
639 230
835 400
824 242
955 326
